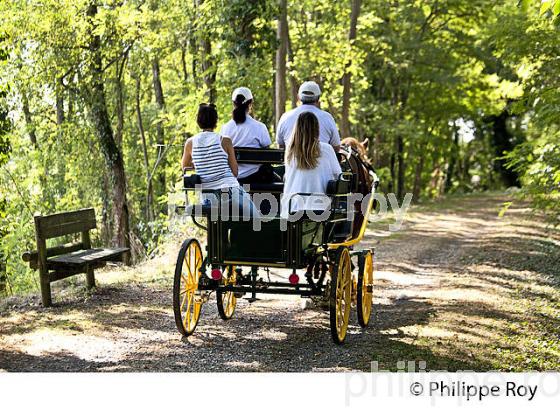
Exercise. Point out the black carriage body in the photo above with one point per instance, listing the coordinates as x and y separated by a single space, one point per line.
301 244
278 243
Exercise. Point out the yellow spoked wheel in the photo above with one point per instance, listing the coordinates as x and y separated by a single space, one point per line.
341 294
365 287
187 301
227 300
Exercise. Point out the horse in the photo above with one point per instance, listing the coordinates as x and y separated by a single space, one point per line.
361 148
355 160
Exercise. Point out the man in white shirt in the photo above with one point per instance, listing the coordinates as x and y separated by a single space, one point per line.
309 94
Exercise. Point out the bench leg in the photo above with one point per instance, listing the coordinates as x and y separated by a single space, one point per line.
46 291
90 278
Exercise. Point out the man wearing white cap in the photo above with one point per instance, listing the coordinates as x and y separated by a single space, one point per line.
309 93
247 132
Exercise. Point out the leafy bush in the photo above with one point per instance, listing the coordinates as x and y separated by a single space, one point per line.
538 163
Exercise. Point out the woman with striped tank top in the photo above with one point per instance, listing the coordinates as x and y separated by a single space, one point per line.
214 161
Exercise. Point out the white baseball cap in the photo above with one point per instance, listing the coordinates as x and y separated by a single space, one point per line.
244 91
309 89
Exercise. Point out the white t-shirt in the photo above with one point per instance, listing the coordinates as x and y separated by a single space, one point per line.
328 133
250 134
312 181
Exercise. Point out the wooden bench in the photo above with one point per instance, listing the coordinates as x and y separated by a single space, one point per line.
67 260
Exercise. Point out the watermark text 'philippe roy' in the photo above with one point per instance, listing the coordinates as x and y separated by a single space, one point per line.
221 206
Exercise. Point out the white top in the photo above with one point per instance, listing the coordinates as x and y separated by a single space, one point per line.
211 161
312 181
250 134
328 132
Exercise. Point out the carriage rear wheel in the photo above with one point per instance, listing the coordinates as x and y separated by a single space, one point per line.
187 301
227 300
365 284
341 294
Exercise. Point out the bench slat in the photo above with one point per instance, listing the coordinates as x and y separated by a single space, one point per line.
66 229
84 257
65 223
33 256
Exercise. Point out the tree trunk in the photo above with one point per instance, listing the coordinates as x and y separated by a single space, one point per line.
29 120
120 107
4 150
293 81
71 97
502 141
184 63
346 79
106 220
274 89
281 53
59 102
400 162
452 161
194 52
2 274
209 70
160 133
392 181
101 122
149 187
466 166
435 180
418 178
204 46
375 150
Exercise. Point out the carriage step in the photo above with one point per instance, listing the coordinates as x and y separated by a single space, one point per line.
251 300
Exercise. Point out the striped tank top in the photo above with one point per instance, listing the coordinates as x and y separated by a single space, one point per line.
211 161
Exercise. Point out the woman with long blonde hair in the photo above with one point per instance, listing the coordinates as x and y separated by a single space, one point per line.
310 165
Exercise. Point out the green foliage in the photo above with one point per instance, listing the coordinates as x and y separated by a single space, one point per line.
538 162
419 68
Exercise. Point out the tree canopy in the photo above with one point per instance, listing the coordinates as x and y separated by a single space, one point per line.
97 97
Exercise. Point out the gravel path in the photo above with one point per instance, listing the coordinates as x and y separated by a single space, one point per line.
454 289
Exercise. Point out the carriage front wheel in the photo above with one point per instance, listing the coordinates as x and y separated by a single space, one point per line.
365 287
187 301
340 294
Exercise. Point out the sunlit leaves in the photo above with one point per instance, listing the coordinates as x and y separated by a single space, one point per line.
545 7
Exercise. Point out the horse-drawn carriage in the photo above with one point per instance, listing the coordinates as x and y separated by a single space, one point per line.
322 248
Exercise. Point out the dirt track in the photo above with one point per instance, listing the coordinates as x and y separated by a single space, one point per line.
457 288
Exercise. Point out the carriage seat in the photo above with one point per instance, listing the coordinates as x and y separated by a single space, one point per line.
339 229
340 186
272 187
191 182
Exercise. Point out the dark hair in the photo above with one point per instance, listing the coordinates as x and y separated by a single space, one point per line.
309 99
207 117
239 113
